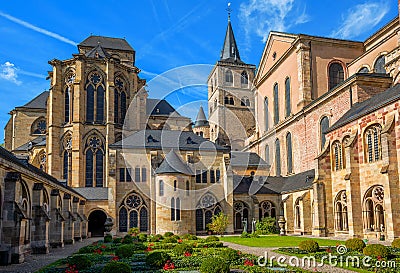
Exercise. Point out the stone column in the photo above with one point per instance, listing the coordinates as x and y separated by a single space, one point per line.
40 219
69 219
57 220
84 226
78 223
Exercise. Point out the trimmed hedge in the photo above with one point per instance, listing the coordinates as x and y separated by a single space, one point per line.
81 261
170 240
114 266
310 246
126 251
108 238
181 249
212 238
157 258
376 250
355 244
168 234
396 243
214 265
189 237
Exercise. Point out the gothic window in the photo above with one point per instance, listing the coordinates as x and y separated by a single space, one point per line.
228 77
276 104
266 114
337 156
287 98
245 101
134 206
95 90
172 209
336 75
379 66
144 174
373 209
175 185
267 154
231 101
215 104
297 214
241 211
212 176
266 209
218 175
178 209
277 157
373 145
67 159
94 157
244 79
323 125
204 177
363 70
289 153
39 126
120 93
161 188
206 208
341 216
67 94
137 174
68 105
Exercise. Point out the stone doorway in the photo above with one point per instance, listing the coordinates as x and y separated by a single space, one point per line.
97 219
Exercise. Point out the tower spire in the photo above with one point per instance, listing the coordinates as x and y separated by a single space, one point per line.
230 51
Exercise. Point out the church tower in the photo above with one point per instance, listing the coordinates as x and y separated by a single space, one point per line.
230 96
201 126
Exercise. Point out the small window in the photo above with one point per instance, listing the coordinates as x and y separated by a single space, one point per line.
212 176
289 153
276 104
244 79
278 157
287 98
144 174
379 66
172 209
266 114
122 175
323 125
337 156
128 175
231 101
175 185
228 77
178 209
218 175
198 176
372 140
204 177
137 174
161 188
336 75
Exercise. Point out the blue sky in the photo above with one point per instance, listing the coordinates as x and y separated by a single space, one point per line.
166 34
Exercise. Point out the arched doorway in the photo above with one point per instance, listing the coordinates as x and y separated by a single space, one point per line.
97 219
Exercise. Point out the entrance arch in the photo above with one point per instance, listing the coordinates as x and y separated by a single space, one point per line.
97 218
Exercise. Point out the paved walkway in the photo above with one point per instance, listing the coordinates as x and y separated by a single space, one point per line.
261 251
35 262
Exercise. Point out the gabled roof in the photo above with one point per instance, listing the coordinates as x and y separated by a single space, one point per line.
39 102
247 159
159 107
230 51
201 119
39 141
173 163
106 42
97 52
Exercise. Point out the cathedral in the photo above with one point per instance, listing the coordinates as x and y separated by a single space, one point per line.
309 137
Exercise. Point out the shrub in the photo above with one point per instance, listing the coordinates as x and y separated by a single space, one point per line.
142 237
108 238
355 244
214 265
126 251
209 244
128 239
396 243
169 240
80 261
254 235
219 223
117 240
310 246
267 225
157 258
376 250
176 237
188 236
168 234
156 238
212 238
230 255
115 266
181 249
133 231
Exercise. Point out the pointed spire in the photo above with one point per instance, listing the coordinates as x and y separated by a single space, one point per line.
230 51
201 119
173 163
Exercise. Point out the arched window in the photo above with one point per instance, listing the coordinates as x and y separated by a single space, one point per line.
379 66
341 216
120 106
267 158
67 94
287 98
206 208
215 104
241 216
373 209
175 185
187 188
363 70
289 153
68 107
276 104
95 94
231 101
244 79
373 143
67 159
228 77
323 127
277 157
42 161
134 206
297 214
336 75
266 209
94 162
172 209
266 114
178 209
337 156
39 126
161 188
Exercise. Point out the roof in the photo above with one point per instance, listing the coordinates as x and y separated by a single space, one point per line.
247 159
368 106
39 102
39 141
273 184
173 163
93 193
230 51
166 139
157 107
106 42
201 119
97 52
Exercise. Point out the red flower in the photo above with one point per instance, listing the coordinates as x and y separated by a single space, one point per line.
187 254
71 269
169 265
180 241
239 253
379 258
247 262
97 251
151 244
329 250
103 246
205 246
115 258
149 249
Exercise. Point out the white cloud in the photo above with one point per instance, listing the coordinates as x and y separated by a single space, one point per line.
361 18
37 29
262 16
8 72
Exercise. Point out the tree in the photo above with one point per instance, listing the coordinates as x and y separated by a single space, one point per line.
219 223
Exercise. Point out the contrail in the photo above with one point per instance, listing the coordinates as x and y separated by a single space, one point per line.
37 29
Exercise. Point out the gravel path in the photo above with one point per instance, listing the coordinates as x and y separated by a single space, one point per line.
260 251
35 262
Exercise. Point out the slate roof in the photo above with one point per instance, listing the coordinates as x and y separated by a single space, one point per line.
93 193
173 163
106 42
247 159
166 139
368 106
230 51
101 53
157 107
39 141
273 184
39 102
201 119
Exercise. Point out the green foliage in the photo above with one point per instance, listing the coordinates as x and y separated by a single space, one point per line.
169 240
181 249
355 244
245 235
81 261
267 225
126 251
142 237
128 239
155 238
133 231
310 246
157 258
168 234
214 265
108 238
212 238
229 255
188 236
396 243
176 237
115 266
376 250
219 223
117 240
208 245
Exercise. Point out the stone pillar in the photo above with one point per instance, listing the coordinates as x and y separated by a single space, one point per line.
303 52
69 219
57 220
40 219
78 223
84 226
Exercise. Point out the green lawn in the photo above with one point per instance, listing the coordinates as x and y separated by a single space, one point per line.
276 241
